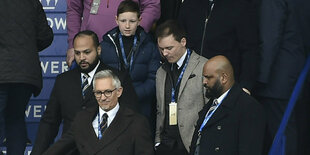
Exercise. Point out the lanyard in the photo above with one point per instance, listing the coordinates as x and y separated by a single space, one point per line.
180 76
123 51
208 117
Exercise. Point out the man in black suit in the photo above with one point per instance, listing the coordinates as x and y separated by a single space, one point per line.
231 30
232 122
108 128
67 97
284 29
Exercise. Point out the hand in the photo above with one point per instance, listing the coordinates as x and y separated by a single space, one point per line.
247 91
70 56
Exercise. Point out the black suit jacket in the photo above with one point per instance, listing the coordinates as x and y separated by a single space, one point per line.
236 127
66 100
128 134
232 31
284 40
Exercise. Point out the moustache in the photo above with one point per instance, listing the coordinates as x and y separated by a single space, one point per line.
83 62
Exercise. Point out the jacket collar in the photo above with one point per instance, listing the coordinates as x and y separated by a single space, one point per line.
118 126
226 106
142 35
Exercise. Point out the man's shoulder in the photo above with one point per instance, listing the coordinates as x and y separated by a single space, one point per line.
86 112
104 66
129 113
195 57
245 99
68 74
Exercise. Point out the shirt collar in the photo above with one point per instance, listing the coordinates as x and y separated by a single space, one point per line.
221 98
91 73
181 60
111 113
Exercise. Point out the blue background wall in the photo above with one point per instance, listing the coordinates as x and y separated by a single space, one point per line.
53 62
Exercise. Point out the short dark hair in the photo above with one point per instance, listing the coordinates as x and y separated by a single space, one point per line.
128 6
170 27
88 33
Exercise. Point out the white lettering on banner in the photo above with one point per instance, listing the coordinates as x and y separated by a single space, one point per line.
44 66
27 111
56 67
59 23
27 151
64 66
35 110
50 6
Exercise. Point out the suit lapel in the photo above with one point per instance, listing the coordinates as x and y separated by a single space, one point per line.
161 85
192 63
226 106
76 88
119 125
88 131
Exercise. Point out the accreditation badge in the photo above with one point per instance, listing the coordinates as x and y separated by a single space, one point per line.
94 7
173 113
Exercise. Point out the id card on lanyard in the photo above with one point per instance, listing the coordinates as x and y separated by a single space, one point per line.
173 117
94 7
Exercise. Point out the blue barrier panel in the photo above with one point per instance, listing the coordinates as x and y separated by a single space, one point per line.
57 22
34 110
58 47
53 65
48 85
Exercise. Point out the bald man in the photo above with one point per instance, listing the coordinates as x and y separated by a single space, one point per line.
232 122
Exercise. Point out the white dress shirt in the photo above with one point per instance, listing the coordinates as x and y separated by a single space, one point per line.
111 115
91 74
180 61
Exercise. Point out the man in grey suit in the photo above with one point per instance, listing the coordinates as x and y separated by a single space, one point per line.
179 91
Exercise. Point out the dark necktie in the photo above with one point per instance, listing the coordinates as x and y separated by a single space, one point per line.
175 73
211 109
104 123
85 84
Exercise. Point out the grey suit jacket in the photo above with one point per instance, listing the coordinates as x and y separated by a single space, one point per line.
190 99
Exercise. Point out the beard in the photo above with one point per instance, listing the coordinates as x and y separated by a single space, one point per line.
215 91
90 67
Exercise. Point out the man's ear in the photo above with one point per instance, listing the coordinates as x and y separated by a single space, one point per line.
116 20
139 20
99 50
119 92
224 78
183 41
